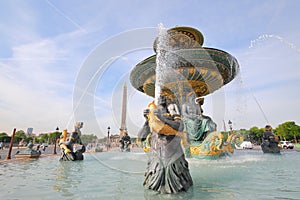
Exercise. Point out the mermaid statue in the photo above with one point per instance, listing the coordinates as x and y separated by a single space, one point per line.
196 125
167 170
67 144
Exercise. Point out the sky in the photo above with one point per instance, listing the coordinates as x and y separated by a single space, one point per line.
63 61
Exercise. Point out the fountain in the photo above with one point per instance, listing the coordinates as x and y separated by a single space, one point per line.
67 144
29 152
125 142
270 141
184 72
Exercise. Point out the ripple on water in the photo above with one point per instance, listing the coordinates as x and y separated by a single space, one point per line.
244 175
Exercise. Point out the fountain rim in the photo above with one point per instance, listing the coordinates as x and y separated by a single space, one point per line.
152 57
182 50
204 59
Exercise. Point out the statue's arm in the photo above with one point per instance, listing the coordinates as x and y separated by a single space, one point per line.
184 110
67 142
175 124
142 134
177 110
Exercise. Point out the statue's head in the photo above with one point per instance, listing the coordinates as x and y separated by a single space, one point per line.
78 125
268 128
74 136
64 134
199 101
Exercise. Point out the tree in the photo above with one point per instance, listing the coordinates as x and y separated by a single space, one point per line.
36 140
4 137
28 139
44 138
255 134
288 131
54 136
88 138
245 133
19 135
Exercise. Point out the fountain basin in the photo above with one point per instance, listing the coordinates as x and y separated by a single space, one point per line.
201 70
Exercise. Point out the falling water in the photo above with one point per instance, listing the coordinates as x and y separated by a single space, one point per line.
162 51
160 60
167 59
264 37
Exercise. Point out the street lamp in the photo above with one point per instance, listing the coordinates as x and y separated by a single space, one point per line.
56 140
230 125
108 142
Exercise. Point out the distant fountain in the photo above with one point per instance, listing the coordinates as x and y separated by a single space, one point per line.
66 144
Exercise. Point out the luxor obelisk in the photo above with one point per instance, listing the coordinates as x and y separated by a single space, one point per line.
123 128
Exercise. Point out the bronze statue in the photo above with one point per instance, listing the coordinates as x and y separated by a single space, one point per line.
125 142
270 141
167 170
66 144
29 152
196 125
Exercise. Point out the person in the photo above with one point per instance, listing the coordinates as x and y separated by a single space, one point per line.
1 145
270 143
167 169
196 124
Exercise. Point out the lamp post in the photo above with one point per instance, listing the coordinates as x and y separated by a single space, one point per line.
54 151
230 126
108 142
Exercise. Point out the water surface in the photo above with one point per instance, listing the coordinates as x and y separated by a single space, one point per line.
248 174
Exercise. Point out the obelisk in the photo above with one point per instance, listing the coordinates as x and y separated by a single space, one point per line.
123 128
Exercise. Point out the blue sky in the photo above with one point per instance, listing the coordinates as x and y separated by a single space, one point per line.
51 50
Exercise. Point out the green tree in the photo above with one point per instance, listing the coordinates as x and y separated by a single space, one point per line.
44 138
4 137
19 135
245 133
288 131
54 136
28 139
85 138
255 134
36 140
